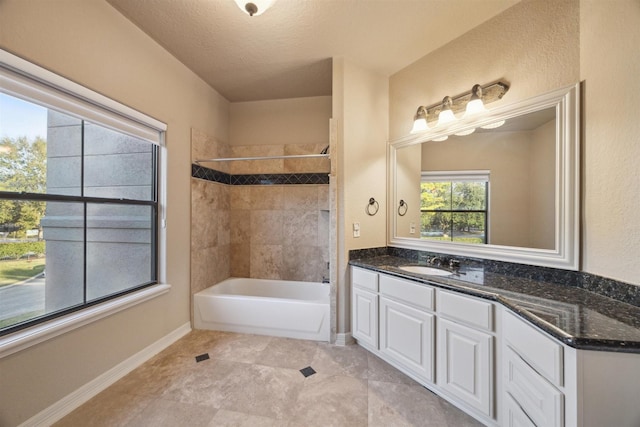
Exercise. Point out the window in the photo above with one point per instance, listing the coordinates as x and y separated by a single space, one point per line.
453 206
79 197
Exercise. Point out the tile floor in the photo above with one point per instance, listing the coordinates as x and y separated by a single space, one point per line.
252 380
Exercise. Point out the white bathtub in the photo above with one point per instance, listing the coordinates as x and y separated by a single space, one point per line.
265 307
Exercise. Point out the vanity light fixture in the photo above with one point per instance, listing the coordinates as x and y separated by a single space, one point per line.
254 7
471 103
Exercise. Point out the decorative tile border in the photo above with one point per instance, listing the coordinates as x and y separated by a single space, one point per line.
202 172
280 179
621 291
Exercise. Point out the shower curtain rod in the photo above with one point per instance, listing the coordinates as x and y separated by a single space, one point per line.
291 156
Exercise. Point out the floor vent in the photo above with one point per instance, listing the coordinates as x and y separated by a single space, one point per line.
307 372
202 357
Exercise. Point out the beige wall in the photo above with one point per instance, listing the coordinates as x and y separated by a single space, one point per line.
610 66
360 108
281 121
91 43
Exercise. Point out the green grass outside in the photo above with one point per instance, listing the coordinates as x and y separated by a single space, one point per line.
17 319
12 271
457 239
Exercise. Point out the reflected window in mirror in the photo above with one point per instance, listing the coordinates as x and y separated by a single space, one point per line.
454 206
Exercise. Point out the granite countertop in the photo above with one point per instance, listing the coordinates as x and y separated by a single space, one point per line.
577 317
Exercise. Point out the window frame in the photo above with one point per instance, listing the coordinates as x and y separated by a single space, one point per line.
35 84
461 176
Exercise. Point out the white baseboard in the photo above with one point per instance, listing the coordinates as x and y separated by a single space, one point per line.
73 400
344 339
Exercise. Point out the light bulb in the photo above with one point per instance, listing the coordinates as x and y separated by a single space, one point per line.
446 115
441 138
420 121
419 125
475 104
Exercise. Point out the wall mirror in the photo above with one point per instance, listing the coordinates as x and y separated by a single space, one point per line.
510 193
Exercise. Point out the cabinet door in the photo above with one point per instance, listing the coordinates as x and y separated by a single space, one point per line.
465 364
364 319
407 336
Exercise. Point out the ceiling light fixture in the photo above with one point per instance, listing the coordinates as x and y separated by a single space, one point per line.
471 103
254 7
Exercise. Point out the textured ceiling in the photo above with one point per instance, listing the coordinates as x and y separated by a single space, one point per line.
287 51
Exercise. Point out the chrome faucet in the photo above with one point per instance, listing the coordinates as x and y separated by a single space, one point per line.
437 261
444 262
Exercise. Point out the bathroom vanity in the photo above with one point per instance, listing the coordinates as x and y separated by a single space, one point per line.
510 335
507 350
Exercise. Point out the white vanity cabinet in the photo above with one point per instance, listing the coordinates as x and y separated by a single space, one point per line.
488 361
364 307
466 350
407 323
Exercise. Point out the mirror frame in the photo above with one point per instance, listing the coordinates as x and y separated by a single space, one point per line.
566 254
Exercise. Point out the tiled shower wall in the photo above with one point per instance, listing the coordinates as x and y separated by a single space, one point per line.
260 231
280 232
210 218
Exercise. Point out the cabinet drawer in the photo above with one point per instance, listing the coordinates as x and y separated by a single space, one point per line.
420 296
541 352
364 279
471 311
540 400
514 415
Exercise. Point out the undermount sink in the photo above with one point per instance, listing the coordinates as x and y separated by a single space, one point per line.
420 269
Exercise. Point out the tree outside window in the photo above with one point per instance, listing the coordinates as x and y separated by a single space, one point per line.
454 207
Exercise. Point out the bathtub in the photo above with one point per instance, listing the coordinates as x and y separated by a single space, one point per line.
265 307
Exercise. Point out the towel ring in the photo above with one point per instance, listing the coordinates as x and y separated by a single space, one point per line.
403 208
372 206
